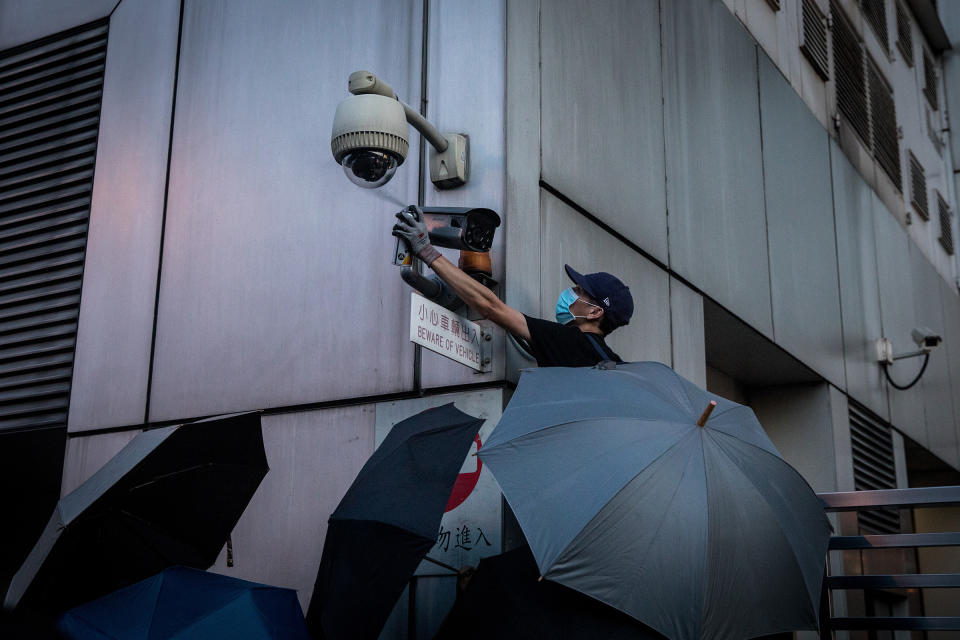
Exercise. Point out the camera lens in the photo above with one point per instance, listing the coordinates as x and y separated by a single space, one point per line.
368 168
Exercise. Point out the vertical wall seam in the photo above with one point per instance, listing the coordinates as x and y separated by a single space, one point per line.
163 218
666 197
421 172
836 252
763 183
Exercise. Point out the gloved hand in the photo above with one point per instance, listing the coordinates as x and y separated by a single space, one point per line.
412 230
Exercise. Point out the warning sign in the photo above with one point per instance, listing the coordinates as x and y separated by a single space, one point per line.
448 334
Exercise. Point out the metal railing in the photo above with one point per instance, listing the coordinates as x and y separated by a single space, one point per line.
897 499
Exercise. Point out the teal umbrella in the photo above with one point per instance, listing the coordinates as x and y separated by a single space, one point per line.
696 531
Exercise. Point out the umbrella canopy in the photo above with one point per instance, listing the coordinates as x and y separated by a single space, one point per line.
387 521
171 496
505 599
699 532
185 604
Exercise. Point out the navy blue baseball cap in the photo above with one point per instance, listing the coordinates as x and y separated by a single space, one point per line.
608 291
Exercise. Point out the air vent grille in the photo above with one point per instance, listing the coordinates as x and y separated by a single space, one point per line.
904 35
49 116
875 11
918 188
848 70
929 80
883 129
946 228
873 468
814 45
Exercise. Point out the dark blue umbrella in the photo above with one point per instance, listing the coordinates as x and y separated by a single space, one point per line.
696 528
170 497
188 604
387 521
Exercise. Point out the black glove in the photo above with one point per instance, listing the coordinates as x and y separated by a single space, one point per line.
412 230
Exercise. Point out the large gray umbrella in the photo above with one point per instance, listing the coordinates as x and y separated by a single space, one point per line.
697 531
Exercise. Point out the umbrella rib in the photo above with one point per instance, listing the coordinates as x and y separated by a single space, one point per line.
533 433
793 551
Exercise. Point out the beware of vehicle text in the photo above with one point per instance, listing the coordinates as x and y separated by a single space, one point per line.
448 334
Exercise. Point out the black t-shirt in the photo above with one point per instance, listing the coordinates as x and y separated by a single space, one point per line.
557 345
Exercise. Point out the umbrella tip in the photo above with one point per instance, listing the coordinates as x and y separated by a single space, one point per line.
706 413
540 579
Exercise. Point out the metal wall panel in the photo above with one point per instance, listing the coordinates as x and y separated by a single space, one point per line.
854 205
803 251
898 320
86 454
575 240
112 361
951 345
277 286
469 35
937 396
716 217
25 21
686 333
602 113
799 421
522 206
314 456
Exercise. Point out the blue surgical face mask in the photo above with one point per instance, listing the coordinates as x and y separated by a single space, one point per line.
567 298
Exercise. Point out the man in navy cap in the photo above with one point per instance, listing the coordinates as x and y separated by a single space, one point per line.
597 304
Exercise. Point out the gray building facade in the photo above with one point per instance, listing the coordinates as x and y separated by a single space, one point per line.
689 146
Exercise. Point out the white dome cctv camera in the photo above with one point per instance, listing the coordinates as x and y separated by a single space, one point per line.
369 138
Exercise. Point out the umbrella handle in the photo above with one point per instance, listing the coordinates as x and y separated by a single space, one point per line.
706 413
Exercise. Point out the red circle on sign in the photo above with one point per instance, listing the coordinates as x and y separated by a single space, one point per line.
465 483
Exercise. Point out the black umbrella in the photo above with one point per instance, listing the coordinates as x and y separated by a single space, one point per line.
171 496
506 599
386 523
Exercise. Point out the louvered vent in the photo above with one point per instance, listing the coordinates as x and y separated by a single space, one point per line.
49 113
848 70
918 188
814 45
904 35
875 11
774 4
929 80
946 229
873 468
883 115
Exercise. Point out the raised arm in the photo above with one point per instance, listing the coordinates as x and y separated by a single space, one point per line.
411 229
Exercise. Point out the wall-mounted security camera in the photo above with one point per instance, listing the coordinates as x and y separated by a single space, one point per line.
926 339
466 228
369 138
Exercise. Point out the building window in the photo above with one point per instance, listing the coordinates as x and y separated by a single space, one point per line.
929 80
946 229
883 125
904 35
875 11
918 188
814 38
849 73
48 141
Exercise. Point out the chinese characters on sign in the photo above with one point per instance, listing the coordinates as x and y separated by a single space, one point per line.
448 334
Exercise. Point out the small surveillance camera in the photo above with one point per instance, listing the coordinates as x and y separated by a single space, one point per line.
925 338
369 138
